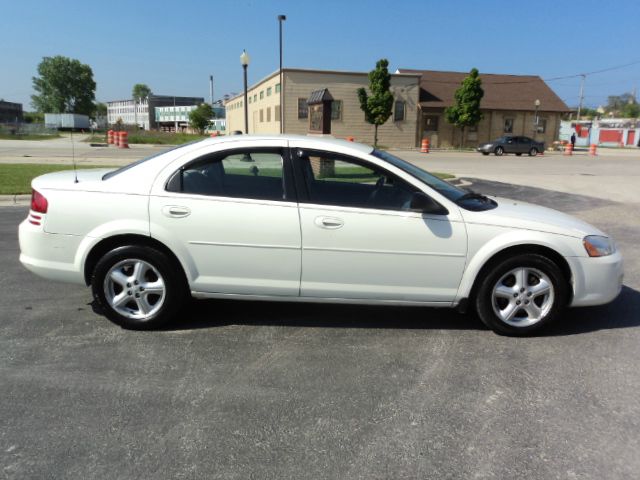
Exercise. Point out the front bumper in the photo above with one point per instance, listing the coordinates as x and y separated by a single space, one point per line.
485 148
596 280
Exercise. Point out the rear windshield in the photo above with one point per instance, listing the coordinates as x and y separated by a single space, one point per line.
113 173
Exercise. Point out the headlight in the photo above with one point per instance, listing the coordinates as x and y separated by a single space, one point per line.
597 246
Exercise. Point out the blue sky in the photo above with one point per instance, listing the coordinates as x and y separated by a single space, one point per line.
175 46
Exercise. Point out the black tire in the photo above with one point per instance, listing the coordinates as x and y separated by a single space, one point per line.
485 153
157 271
533 152
550 306
499 151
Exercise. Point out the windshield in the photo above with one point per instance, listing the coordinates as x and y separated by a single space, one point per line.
445 189
108 175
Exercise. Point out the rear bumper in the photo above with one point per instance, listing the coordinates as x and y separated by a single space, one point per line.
49 255
596 280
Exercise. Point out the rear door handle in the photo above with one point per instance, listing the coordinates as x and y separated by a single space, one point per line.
176 211
330 223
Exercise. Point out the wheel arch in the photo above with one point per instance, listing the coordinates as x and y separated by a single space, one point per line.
109 243
520 249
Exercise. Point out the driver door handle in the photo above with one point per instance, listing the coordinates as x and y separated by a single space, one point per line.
330 223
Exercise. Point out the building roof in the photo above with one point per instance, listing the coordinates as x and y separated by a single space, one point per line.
319 96
309 70
501 92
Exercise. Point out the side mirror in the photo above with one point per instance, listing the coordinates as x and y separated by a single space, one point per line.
423 203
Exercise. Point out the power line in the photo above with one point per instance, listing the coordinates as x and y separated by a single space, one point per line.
617 67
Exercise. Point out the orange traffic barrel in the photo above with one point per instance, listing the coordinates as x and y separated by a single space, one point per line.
568 149
124 140
110 137
425 145
592 150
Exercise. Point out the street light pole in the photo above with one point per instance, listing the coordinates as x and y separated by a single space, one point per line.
535 122
244 60
281 18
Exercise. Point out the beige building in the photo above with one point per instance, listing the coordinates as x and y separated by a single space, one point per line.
420 97
347 119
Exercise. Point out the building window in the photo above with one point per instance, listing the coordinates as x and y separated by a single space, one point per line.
268 114
249 99
508 125
542 125
276 113
277 88
398 111
430 123
261 115
261 94
268 91
336 110
303 108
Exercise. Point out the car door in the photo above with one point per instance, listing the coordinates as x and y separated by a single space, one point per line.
525 144
511 145
361 241
232 215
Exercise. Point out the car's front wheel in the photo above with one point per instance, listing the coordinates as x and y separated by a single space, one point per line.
137 287
520 294
499 151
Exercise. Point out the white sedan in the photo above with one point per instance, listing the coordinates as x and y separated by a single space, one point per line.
296 218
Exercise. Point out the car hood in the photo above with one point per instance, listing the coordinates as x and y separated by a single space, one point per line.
516 214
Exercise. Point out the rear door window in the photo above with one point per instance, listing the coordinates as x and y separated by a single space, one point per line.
252 174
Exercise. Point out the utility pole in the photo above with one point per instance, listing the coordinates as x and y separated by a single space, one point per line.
584 76
211 90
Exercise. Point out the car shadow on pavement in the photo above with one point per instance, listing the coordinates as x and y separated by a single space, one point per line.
621 313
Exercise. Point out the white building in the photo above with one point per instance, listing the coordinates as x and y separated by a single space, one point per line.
142 112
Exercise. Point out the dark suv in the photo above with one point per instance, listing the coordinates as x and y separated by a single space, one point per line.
508 144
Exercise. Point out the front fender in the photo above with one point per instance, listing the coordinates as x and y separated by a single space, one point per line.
485 242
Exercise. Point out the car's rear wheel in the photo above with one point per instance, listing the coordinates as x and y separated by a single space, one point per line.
521 294
499 151
137 287
533 152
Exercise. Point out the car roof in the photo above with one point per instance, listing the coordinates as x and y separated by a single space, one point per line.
321 141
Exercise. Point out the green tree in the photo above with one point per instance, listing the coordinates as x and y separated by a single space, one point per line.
140 91
378 106
33 117
64 85
630 110
100 109
465 112
615 103
200 117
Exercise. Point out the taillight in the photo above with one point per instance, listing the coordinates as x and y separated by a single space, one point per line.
38 202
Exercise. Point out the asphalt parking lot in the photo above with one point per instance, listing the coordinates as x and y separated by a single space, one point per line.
256 390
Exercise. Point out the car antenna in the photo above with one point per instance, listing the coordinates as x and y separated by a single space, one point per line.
73 158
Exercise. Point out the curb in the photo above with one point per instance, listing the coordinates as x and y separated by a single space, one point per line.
14 200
